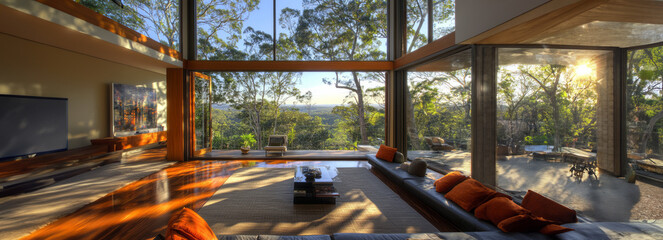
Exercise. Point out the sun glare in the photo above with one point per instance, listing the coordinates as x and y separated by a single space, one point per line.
583 70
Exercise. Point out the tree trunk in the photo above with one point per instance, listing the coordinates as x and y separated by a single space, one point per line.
647 133
557 138
360 109
410 121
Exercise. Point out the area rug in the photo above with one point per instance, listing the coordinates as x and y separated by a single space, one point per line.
259 201
22 214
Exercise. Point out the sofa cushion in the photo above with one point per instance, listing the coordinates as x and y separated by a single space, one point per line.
469 194
439 235
449 181
187 224
498 209
523 223
390 170
386 153
399 157
381 236
303 237
404 166
422 188
554 229
546 208
418 168
237 237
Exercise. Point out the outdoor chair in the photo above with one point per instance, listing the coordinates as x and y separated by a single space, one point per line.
276 143
437 144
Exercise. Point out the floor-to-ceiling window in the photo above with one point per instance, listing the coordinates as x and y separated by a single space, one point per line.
428 20
316 110
292 30
438 112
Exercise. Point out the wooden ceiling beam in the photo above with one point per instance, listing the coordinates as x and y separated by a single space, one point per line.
79 11
290 66
634 11
426 51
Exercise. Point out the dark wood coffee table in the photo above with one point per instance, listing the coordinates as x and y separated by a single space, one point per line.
318 188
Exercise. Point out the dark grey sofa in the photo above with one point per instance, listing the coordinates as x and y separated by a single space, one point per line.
273 237
422 188
390 170
583 231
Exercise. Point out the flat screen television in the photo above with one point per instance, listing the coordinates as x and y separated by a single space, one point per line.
32 125
134 110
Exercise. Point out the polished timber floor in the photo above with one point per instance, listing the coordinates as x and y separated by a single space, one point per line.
141 209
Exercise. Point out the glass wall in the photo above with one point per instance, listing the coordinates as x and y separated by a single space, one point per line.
201 111
332 30
444 18
234 30
441 22
438 112
156 19
645 109
316 110
554 130
327 30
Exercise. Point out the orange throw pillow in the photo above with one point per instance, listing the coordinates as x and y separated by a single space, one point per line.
523 223
386 153
553 229
546 208
449 181
469 194
498 209
499 194
187 224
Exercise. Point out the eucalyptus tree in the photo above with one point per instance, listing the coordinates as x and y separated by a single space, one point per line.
159 19
259 95
417 21
341 30
645 98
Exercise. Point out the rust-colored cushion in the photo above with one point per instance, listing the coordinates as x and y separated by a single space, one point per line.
552 229
523 223
469 194
499 194
386 153
546 208
449 181
497 209
187 224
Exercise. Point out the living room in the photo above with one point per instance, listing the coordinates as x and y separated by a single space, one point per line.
564 90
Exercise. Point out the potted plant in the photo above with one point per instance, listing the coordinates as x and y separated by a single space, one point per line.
248 140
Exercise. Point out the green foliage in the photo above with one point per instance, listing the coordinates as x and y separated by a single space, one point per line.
248 139
645 101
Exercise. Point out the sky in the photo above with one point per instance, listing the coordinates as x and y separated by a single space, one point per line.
262 18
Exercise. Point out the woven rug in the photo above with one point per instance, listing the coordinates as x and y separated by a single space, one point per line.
259 201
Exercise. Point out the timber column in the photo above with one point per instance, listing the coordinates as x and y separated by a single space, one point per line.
175 116
484 118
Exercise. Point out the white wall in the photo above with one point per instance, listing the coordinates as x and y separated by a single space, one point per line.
476 16
35 69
